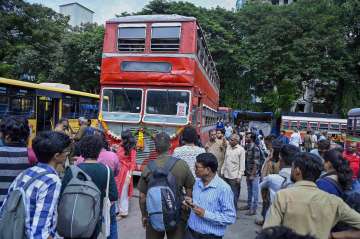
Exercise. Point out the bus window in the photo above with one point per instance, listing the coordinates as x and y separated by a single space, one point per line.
4 102
285 125
165 37
343 127
350 125
294 124
88 108
22 103
303 125
167 102
22 107
314 125
357 127
70 107
324 126
131 38
122 104
174 104
194 116
335 127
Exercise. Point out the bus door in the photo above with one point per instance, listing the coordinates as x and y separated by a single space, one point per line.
47 109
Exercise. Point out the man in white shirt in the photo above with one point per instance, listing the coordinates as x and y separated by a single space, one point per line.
234 166
314 139
228 131
295 138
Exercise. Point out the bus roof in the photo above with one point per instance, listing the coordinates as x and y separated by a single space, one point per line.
314 119
151 18
354 112
313 114
45 87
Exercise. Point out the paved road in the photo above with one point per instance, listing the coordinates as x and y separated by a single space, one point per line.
131 228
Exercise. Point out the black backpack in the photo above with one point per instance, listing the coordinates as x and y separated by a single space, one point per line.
163 201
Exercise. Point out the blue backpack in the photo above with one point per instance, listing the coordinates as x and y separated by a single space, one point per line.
163 202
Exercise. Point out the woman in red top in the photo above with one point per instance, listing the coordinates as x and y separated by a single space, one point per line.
124 182
354 159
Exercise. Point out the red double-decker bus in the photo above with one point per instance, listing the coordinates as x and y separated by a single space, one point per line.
157 75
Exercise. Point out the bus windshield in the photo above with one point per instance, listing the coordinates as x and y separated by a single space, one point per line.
167 106
121 104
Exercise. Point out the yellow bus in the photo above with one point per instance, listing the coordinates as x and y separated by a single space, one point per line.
44 104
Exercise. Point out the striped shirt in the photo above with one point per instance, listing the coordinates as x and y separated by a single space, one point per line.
13 160
218 202
188 153
41 199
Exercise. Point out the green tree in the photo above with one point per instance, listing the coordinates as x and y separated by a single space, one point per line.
80 59
29 40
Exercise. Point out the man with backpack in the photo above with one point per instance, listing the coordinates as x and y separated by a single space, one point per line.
86 190
161 188
34 194
212 207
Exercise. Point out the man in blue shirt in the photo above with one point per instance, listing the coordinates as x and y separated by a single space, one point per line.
212 206
283 138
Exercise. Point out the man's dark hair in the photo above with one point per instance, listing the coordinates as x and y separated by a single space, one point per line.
208 160
288 153
212 130
15 128
323 145
283 131
252 136
90 146
309 164
281 232
221 131
162 142
189 135
48 143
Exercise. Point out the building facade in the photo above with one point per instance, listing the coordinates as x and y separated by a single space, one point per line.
78 13
240 4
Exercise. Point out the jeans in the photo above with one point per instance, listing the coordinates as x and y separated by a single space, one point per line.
113 223
253 192
235 188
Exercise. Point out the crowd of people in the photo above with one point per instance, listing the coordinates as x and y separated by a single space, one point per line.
73 185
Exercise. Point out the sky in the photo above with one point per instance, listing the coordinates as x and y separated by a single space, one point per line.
106 9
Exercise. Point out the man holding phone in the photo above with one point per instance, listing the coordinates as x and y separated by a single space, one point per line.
217 209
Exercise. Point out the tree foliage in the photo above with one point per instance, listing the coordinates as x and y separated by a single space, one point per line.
37 44
269 53
265 54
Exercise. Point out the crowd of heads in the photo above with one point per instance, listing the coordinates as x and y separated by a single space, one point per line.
15 130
